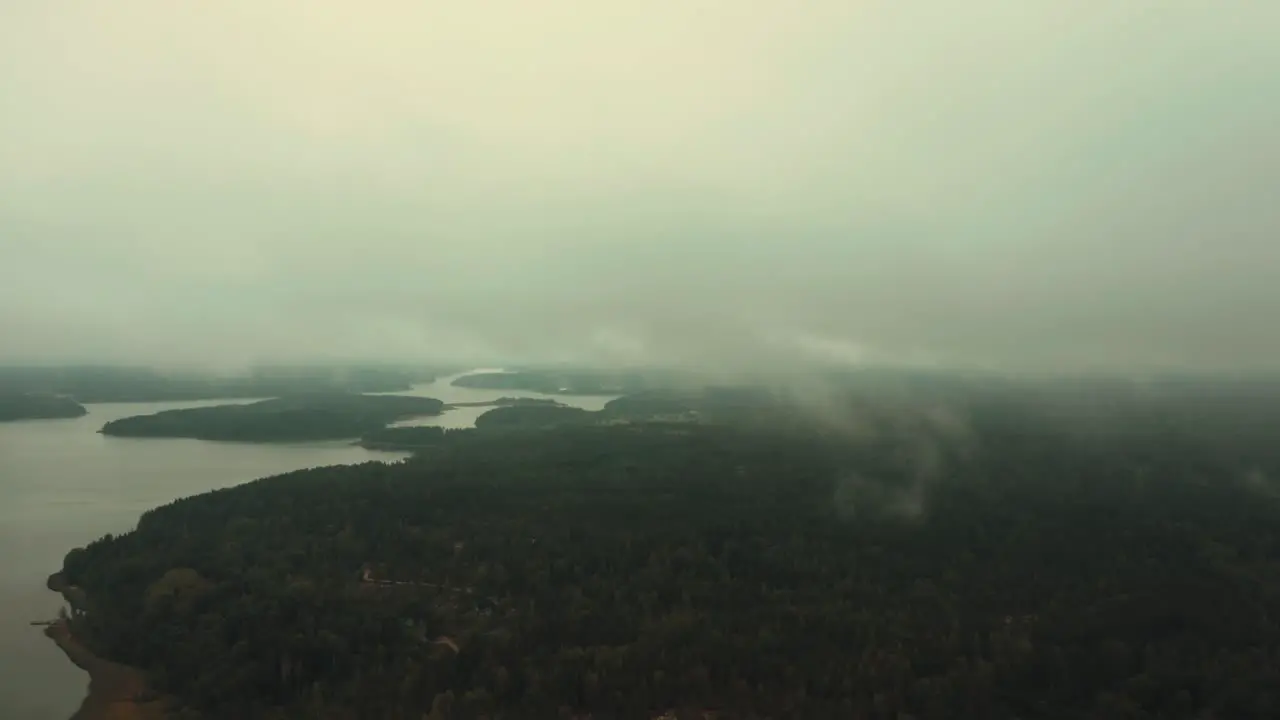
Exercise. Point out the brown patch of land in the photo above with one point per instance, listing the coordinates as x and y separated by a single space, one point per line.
116 692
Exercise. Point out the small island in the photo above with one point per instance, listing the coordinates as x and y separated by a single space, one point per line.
38 406
288 419
534 416
506 401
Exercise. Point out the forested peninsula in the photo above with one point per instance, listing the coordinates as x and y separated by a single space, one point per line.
325 416
534 416
38 406
988 559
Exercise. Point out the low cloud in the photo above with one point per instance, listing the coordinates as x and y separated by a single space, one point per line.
739 185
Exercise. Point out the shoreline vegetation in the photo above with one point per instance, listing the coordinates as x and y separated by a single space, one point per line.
38 406
519 414
116 691
505 402
423 437
299 418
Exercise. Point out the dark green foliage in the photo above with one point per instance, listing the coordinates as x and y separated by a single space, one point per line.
534 416
653 402
406 438
35 406
1021 570
523 401
303 417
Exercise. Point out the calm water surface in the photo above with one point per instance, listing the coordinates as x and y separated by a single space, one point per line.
63 485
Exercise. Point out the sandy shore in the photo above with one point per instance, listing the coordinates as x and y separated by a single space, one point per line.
116 692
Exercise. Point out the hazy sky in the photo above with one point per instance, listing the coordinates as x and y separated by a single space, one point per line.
1018 183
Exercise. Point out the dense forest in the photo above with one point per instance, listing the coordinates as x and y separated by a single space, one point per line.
289 419
537 416
36 406
93 384
509 401
1013 555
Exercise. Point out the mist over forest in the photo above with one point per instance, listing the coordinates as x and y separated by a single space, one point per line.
663 360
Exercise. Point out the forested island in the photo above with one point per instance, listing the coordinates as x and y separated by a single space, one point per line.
38 406
325 416
95 384
528 416
509 401
986 554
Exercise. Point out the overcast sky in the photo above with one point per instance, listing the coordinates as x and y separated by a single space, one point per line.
1010 183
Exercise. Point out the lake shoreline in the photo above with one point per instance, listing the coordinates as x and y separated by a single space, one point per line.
115 690
68 485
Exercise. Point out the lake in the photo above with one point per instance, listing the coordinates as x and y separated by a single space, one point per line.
63 485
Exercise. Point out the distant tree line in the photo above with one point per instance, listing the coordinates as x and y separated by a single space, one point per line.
294 418
99 384
38 406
